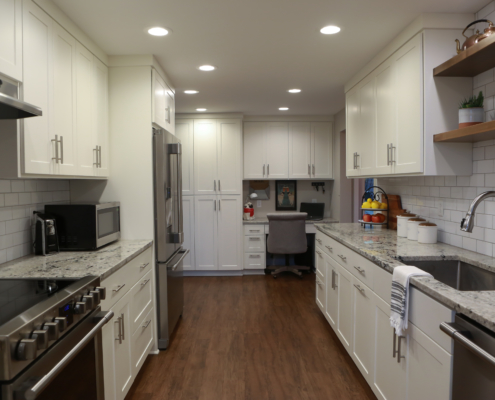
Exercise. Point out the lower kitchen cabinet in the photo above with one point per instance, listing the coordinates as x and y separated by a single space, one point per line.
188 224
344 317
332 292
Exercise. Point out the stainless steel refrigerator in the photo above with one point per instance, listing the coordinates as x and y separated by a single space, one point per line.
169 234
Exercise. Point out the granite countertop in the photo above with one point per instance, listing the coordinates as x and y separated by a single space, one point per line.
384 247
264 221
70 264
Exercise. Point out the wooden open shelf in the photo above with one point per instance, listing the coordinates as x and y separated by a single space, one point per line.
474 133
470 62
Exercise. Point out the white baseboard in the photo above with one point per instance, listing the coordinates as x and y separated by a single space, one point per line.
225 273
254 272
155 352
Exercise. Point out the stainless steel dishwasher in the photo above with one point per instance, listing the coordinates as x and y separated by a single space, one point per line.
474 359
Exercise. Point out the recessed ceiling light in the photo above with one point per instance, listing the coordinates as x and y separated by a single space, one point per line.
294 90
200 109
330 30
190 91
207 68
284 108
158 31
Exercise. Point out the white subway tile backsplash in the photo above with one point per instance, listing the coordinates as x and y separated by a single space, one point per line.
11 199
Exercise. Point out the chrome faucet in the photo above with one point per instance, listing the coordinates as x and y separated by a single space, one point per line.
467 224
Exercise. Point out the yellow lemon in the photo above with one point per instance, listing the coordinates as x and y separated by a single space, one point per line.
369 200
375 205
366 205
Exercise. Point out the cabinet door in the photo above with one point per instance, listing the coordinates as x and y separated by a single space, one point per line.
229 156
188 215
205 156
299 150
389 377
101 127
86 137
255 150
185 133
321 150
229 235
38 88
363 328
277 150
159 115
408 62
386 124
367 130
429 367
321 270
11 32
331 283
352 129
205 228
344 320
64 99
169 109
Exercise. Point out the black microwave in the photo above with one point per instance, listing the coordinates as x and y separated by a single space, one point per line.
86 226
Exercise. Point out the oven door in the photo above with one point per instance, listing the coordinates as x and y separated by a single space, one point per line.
70 370
107 223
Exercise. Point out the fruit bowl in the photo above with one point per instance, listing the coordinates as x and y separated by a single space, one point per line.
372 223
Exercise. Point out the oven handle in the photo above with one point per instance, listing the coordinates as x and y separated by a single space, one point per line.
36 390
454 331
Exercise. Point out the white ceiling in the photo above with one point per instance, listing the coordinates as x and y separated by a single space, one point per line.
262 48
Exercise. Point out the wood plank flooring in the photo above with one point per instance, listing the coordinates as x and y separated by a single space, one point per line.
251 338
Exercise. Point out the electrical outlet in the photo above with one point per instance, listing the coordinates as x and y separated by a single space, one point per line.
440 209
258 203
313 201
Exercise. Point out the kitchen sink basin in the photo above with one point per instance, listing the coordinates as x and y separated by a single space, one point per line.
458 274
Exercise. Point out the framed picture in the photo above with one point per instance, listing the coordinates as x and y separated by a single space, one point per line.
286 195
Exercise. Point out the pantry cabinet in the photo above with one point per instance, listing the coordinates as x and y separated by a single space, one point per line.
163 103
184 130
188 224
11 49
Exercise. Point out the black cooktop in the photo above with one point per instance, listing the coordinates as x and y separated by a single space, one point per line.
18 295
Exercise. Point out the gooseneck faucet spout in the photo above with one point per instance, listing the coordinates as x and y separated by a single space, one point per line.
467 224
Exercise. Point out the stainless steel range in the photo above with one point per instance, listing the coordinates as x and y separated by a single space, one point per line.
50 339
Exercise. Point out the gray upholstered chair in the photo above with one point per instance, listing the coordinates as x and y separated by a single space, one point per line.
287 235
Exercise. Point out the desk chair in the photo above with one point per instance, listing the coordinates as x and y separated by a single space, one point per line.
287 235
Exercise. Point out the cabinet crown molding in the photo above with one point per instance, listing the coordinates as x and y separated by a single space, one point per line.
210 116
289 118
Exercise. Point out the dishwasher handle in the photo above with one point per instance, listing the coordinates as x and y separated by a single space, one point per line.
455 331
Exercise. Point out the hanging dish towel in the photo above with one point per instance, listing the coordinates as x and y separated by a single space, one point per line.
399 304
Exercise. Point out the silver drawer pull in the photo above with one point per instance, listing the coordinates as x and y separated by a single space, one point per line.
143 266
254 238
145 282
319 241
360 289
318 253
360 270
254 255
329 248
255 230
118 288
146 324
342 257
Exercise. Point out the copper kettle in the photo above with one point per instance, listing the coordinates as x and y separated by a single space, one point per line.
477 37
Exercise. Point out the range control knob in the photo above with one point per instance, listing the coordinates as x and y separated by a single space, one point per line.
62 323
96 296
26 349
79 308
41 337
89 300
103 292
52 329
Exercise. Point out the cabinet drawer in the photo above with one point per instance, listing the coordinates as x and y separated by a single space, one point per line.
120 282
320 263
254 261
328 245
141 295
142 340
320 293
254 244
254 229
382 284
362 269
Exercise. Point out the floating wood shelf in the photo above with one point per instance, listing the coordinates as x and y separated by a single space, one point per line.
474 133
470 62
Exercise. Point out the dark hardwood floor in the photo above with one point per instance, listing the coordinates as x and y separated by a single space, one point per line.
251 338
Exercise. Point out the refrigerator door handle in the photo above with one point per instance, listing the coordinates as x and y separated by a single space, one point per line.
184 254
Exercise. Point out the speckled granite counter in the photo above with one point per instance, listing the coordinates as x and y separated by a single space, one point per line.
264 221
383 247
102 263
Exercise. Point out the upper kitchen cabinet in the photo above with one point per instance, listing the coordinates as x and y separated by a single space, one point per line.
217 156
394 106
11 34
184 130
163 103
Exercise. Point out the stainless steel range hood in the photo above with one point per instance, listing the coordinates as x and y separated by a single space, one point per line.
13 108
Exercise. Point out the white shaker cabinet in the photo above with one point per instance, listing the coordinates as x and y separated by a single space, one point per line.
205 228
321 150
345 314
100 116
11 34
321 271
163 103
205 156
184 130
188 224
332 297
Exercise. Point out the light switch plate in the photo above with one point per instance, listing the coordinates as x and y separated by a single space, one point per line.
313 201
440 208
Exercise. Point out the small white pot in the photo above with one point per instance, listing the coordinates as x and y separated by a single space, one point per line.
412 228
402 223
471 116
427 233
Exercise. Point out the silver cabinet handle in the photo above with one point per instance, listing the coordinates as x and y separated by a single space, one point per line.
214 205
333 280
214 185
118 288
309 169
254 238
145 282
219 189
329 248
354 160
99 158
57 142
147 324
357 164
342 257
141 267
255 230
394 346
455 332
96 164
392 148
219 205
399 356
61 149
360 270
168 113
119 338
267 169
314 169
319 241
263 169
360 289
254 255
318 282
36 390
123 326
388 154
318 253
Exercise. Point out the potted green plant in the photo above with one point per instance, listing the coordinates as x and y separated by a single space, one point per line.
471 111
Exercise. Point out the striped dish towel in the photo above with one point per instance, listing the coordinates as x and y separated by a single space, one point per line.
399 304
